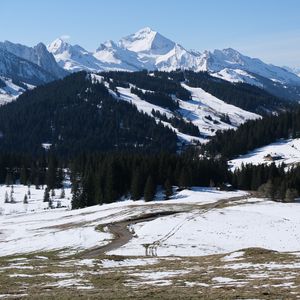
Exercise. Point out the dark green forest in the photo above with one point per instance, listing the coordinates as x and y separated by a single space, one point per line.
111 150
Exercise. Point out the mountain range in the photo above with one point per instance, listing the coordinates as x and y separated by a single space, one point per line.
145 49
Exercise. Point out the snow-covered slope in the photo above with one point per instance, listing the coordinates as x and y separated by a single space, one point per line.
12 66
283 151
204 110
148 49
38 55
207 112
293 70
9 91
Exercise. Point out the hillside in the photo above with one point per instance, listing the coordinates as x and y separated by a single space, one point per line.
121 110
75 115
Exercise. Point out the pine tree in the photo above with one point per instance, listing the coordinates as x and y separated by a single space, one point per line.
8 179
52 193
62 193
150 189
25 200
12 200
46 195
6 199
50 203
76 195
168 189
184 180
51 175
290 195
109 190
23 175
136 189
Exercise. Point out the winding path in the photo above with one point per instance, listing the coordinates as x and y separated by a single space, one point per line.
122 235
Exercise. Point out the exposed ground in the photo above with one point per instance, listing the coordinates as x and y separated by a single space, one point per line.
95 273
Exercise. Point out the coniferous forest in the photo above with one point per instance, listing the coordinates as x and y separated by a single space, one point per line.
111 150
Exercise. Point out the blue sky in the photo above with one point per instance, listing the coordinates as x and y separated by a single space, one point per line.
268 29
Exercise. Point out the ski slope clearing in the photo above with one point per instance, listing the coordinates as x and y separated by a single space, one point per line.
204 110
43 229
205 106
283 151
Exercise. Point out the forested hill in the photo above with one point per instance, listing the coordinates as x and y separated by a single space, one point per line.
75 115
254 134
246 96
140 111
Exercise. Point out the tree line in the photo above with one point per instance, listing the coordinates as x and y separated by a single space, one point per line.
254 134
106 178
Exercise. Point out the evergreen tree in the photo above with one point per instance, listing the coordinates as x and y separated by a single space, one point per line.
150 189
6 199
23 176
184 180
76 195
51 175
62 193
12 199
8 178
290 195
168 189
25 200
46 195
136 189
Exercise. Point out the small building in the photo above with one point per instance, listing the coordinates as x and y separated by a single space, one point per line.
226 187
272 157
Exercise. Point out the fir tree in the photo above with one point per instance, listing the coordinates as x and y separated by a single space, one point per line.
150 189
46 195
51 175
136 189
290 195
62 193
8 179
23 176
6 199
168 189
76 196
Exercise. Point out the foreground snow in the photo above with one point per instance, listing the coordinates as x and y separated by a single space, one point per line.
284 151
252 223
40 229
199 227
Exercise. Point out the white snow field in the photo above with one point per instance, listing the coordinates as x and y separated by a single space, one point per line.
33 227
252 223
203 110
201 228
282 151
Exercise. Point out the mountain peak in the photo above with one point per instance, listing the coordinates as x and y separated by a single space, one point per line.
145 30
147 40
58 45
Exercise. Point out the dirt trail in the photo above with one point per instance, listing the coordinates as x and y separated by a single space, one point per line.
122 235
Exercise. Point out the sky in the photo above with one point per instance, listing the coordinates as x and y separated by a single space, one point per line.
267 29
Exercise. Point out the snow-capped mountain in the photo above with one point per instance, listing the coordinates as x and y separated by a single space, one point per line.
19 69
38 55
148 49
295 70
23 67
145 49
10 90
